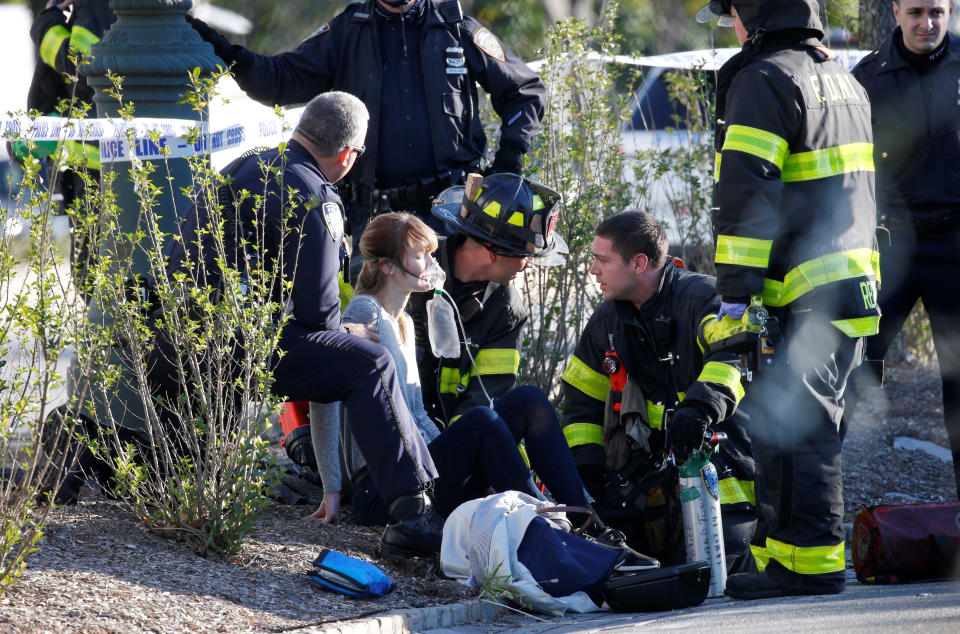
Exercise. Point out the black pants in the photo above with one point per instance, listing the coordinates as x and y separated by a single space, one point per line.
479 452
925 265
795 412
329 366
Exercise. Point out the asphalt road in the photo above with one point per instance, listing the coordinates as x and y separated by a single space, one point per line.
923 607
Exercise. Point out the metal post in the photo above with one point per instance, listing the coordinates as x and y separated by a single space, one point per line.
154 49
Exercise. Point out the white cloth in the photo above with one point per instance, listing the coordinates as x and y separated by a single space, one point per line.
480 540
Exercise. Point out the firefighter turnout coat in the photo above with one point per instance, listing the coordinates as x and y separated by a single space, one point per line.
658 347
796 211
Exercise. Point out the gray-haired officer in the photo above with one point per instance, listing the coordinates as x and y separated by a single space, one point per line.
416 65
321 361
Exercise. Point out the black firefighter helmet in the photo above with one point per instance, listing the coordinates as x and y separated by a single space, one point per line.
513 215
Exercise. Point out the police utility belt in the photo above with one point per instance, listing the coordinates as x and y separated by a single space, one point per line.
403 197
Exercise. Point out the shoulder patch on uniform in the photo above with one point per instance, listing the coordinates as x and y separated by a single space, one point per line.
320 31
333 219
489 44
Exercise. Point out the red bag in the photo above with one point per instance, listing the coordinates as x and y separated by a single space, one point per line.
896 544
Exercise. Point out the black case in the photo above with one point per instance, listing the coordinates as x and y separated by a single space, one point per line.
669 588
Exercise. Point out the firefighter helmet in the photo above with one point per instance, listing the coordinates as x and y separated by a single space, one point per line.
514 216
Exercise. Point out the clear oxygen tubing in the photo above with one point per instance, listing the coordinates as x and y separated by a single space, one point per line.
466 346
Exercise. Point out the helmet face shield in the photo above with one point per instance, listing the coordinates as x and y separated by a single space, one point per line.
716 10
514 216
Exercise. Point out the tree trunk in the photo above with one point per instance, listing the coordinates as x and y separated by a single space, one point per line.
876 22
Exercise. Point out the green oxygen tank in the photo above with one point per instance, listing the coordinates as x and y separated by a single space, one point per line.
700 507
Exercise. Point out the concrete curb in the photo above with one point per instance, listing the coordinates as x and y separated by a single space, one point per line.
417 619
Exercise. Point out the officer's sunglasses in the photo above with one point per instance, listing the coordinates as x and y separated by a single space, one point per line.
359 150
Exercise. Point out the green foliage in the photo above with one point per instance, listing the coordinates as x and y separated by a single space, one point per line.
197 469
39 316
581 151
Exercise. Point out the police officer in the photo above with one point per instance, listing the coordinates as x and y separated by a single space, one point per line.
322 358
795 229
913 81
502 228
638 385
415 64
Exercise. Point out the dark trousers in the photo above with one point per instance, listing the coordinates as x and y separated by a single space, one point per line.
479 452
926 266
328 366
796 407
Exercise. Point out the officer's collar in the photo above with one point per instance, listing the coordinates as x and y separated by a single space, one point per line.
412 17
890 58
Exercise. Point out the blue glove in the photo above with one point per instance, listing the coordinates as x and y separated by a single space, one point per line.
733 310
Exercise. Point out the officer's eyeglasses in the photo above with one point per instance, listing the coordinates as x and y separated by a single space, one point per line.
359 150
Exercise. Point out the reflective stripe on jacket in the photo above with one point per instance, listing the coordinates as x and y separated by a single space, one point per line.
795 190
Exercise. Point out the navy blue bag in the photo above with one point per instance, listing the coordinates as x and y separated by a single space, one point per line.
563 563
349 575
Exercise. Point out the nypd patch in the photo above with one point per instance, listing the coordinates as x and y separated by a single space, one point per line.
319 31
333 219
489 44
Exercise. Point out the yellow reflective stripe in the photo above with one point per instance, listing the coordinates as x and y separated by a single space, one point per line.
743 251
716 166
859 327
583 434
492 209
52 41
655 415
807 560
581 376
454 419
759 143
831 161
723 374
489 361
761 555
516 219
733 491
835 267
82 39
450 379
655 411
523 454
537 202
497 361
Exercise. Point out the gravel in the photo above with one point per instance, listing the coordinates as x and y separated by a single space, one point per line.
99 570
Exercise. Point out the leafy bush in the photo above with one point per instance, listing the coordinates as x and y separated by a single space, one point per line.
196 466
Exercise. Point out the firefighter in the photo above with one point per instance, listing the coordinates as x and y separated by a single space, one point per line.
638 385
416 65
507 227
795 229
915 76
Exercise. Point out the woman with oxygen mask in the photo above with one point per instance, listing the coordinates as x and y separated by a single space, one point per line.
475 454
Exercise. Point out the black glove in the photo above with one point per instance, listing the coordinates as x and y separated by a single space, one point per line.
223 48
685 431
506 161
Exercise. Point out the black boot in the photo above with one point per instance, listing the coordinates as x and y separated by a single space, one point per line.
760 585
416 529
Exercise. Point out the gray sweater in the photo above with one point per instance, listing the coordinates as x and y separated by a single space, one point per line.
325 418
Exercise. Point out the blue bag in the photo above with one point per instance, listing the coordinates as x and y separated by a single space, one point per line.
349 575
